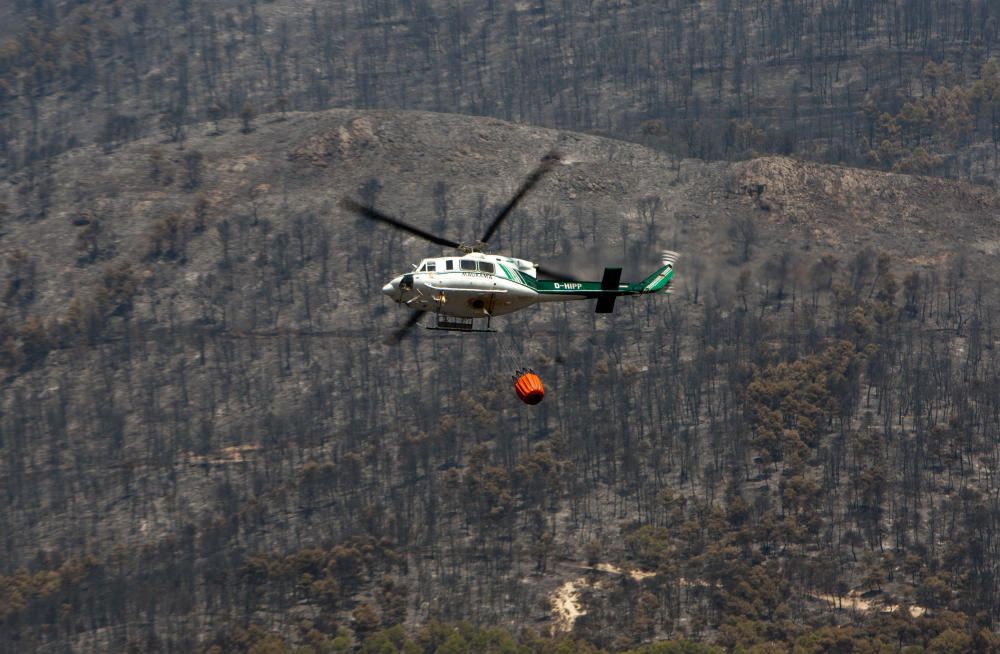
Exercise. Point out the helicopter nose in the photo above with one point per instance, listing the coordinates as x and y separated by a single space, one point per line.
390 290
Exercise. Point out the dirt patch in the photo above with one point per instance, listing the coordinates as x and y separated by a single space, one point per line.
854 601
224 456
325 147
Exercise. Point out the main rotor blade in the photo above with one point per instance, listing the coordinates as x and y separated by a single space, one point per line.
548 161
376 215
400 333
555 274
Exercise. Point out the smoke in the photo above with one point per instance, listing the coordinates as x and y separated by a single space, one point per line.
637 260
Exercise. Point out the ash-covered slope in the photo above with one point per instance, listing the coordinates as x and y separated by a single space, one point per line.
198 408
159 207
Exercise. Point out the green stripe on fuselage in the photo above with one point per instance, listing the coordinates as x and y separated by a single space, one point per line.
514 275
567 288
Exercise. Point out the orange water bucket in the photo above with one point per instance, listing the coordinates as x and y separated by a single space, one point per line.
529 388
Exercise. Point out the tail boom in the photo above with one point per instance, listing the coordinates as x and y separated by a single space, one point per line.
610 286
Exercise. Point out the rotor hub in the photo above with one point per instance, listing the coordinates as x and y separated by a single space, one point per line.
475 246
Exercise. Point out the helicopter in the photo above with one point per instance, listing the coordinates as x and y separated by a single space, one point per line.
477 285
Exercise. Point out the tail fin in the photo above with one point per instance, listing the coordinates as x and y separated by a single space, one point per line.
660 280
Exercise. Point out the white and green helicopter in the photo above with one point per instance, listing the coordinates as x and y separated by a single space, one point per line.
478 285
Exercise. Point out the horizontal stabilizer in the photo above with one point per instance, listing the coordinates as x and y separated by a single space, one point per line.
606 302
611 278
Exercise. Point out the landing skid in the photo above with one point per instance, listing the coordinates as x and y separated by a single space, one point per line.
458 325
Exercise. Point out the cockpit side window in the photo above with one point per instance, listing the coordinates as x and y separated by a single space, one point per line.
467 264
487 267
431 266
